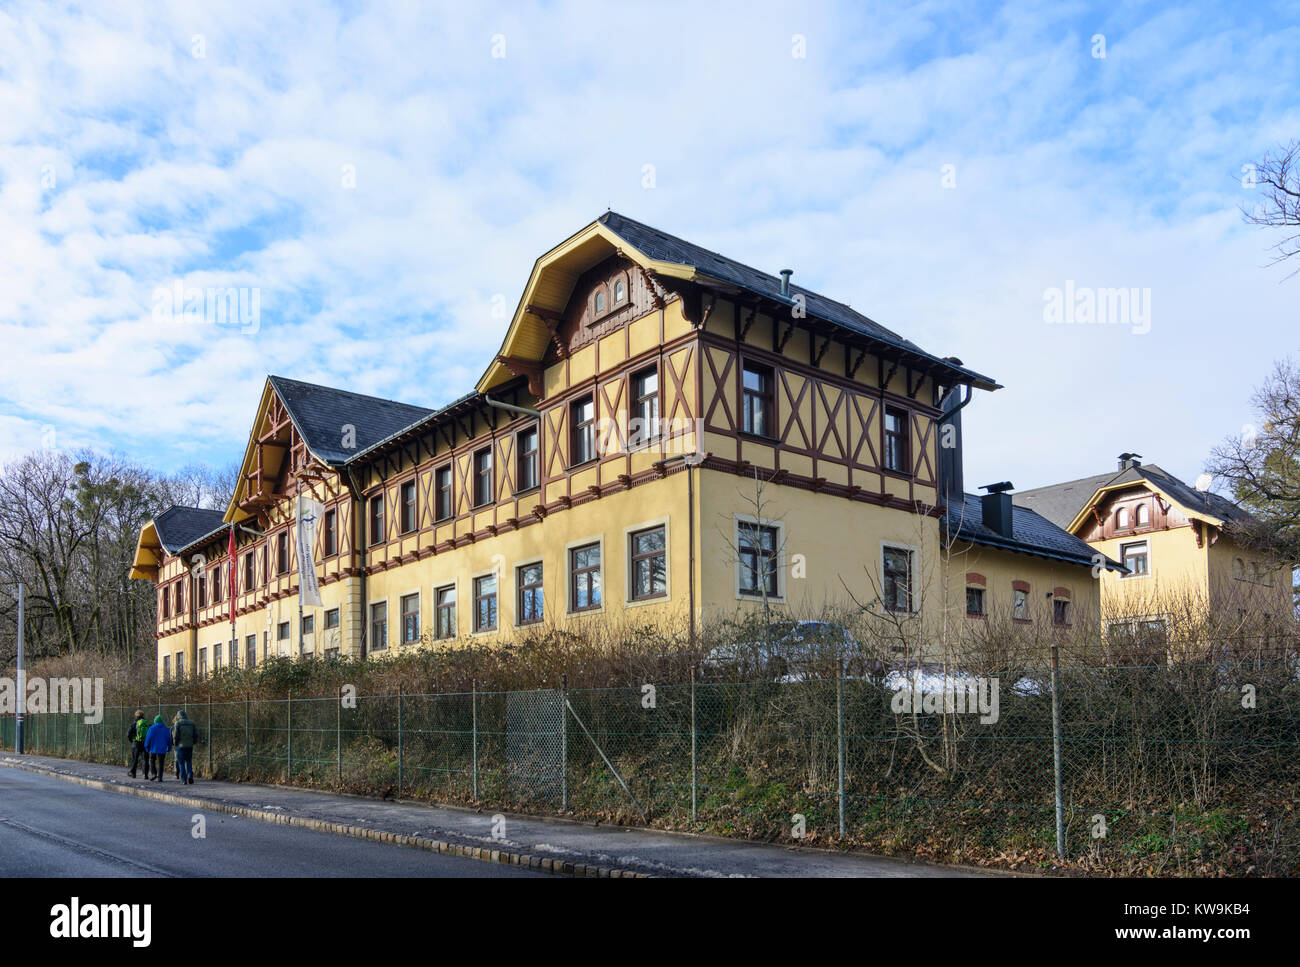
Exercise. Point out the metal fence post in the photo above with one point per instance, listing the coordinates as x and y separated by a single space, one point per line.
338 734
695 783
839 732
564 742
248 715
399 740
474 726
288 769
209 735
1056 752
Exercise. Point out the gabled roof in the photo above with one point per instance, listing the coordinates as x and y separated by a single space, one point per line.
319 414
554 275
175 529
1065 503
179 527
1031 534
663 247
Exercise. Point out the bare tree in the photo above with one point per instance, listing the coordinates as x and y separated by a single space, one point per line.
68 527
1278 173
1262 467
749 548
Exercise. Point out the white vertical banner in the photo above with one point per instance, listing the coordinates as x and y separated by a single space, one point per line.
310 513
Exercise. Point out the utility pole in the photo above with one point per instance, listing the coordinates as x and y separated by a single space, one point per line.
21 704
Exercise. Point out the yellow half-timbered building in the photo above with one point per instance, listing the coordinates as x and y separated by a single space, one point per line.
664 435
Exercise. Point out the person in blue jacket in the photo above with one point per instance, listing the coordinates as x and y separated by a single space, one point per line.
157 742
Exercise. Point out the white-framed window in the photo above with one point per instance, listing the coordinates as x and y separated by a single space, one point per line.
647 561
1136 556
486 602
643 389
378 625
530 600
584 575
444 612
898 592
409 608
760 558
1144 641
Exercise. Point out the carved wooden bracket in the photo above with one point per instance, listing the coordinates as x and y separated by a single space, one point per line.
525 367
553 321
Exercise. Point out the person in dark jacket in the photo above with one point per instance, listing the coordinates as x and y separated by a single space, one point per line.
185 733
157 741
135 734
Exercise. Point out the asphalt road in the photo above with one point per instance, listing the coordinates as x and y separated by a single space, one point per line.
49 827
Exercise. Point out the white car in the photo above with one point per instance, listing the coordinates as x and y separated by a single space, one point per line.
796 652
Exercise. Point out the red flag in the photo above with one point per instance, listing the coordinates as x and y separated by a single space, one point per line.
232 573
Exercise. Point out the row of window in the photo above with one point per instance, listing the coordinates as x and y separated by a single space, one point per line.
977 605
582 449
758 416
1140 516
648 579
171 600
758 419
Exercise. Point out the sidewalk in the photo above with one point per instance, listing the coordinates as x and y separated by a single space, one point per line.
553 844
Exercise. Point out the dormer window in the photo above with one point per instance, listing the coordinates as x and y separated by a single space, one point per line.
1143 515
599 304
618 292
1121 518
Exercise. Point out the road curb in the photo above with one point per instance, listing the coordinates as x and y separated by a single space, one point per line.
545 864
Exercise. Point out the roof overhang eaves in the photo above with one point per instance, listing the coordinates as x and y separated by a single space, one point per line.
466 402
1190 512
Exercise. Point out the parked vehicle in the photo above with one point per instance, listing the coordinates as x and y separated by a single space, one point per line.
796 651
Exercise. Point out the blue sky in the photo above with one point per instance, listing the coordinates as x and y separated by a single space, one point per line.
940 167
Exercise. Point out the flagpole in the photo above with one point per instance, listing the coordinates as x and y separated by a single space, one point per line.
20 706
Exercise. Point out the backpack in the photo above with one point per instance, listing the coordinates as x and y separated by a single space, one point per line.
141 727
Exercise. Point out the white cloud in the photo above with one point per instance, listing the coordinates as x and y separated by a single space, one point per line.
227 170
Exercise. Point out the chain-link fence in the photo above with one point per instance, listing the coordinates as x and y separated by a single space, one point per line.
1170 769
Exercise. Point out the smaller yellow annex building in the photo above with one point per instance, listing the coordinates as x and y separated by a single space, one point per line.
666 436
1176 545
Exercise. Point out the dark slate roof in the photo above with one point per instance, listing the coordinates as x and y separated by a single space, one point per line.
1061 503
179 527
668 248
319 413
1031 534
430 416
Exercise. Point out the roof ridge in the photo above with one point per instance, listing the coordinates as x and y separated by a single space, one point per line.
758 271
346 392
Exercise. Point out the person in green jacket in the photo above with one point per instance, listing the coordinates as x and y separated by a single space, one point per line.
184 734
135 734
